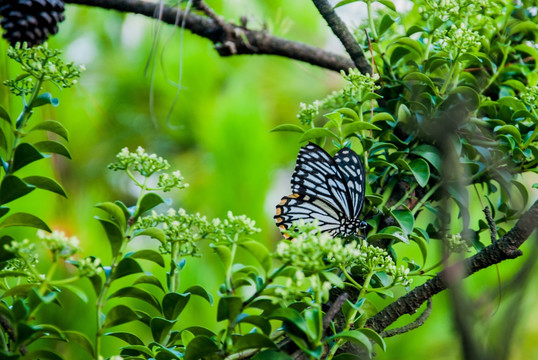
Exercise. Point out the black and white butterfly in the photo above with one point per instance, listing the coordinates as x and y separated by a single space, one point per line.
329 189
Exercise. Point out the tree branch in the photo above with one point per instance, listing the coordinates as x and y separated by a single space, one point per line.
341 31
505 248
229 40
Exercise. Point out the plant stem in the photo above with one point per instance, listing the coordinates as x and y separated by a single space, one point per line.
371 20
351 318
425 198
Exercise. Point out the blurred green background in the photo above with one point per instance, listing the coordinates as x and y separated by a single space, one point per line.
218 135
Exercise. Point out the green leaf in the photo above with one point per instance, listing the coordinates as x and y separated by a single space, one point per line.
356 337
390 232
259 251
173 304
154 233
119 314
357 126
253 341
41 355
384 116
272 355
312 320
52 126
126 266
229 308
201 292
411 45
258 321
333 279
421 171
4 254
81 340
127 337
199 347
388 4
24 219
375 337
344 2
316 133
81 294
509 130
138 349
45 99
224 254
423 246
420 78
45 183
24 155
97 283
160 328
148 254
116 213
136 293
384 24
148 202
288 128
295 323
4 115
150 280
114 235
13 188
430 153
186 337
53 147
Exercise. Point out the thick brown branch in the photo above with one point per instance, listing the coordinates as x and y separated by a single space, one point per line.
243 41
415 324
341 31
505 248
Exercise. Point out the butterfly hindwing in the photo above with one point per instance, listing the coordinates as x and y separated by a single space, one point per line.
305 207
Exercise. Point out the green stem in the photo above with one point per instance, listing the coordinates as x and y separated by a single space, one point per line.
371 20
174 273
425 198
229 283
268 281
101 300
405 197
351 318
424 271
496 75
22 121
448 80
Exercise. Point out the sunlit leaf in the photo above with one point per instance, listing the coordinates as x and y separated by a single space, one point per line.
48 146
45 183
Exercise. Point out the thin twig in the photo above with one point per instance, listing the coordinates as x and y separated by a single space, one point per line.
252 42
334 309
505 248
341 31
415 324
491 224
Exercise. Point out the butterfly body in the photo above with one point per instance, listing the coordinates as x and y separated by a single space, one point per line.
327 189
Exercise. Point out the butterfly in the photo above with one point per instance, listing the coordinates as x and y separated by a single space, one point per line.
324 188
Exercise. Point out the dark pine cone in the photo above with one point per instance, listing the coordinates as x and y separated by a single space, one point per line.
30 20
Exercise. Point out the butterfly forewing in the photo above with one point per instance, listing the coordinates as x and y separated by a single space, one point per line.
316 174
352 170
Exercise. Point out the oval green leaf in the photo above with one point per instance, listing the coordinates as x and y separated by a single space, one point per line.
13 188
24 219
45 183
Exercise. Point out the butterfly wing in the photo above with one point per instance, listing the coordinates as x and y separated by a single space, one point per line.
305 207
352 170
317 175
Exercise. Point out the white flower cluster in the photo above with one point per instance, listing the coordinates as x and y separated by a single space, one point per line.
59 244
308 113
168 182
364 83
457 244
530 97
458 40
233 226
146 165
